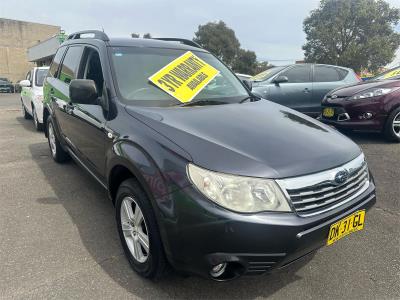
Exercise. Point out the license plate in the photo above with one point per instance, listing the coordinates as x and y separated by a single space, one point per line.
328 112
350 224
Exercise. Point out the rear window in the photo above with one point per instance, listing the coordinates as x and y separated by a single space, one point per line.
328 74
40 76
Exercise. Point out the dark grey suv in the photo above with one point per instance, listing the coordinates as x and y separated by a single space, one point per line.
223 185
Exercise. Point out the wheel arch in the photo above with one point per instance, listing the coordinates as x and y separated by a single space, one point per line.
120 169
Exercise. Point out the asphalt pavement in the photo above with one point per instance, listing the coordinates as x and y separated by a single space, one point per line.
58 238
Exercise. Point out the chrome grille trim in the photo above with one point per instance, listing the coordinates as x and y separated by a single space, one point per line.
317 193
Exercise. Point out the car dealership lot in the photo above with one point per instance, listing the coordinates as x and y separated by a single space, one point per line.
59 240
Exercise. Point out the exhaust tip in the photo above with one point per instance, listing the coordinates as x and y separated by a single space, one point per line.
218 270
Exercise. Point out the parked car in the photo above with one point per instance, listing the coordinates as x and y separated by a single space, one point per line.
6 86
373 105
302 86
193 183
32 95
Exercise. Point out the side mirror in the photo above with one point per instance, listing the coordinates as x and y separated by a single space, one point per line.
83 91
25 83
280 79
248 84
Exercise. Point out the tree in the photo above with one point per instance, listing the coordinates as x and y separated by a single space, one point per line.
147 36
245 62
354 33
219 39
135 35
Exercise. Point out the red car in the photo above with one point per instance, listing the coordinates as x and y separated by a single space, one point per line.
373 105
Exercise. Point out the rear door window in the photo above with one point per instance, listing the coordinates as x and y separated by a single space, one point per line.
56 62
70 64
328 74
298 74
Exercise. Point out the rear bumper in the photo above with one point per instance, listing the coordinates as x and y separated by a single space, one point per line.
203 235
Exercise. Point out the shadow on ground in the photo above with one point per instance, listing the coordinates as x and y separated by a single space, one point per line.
364 137
27 124
93 214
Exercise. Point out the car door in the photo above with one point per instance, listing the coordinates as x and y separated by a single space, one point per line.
26 92
60 93
325 79
296 93
87 126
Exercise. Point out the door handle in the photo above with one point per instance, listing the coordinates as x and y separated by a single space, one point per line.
69 108
306 91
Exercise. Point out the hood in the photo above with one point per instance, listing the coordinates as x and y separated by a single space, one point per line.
260 139
350 90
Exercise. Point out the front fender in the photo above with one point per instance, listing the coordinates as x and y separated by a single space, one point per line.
156 181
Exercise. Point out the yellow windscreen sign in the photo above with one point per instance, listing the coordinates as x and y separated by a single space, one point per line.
391 74
184 77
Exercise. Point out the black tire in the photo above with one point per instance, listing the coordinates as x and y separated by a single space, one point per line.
155 265
57 152
25 114
38 126
388 131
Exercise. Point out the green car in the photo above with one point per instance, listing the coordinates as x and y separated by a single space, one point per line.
301 86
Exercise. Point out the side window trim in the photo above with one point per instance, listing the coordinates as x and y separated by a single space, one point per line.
59 64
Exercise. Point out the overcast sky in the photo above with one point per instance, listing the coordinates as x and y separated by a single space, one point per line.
273 29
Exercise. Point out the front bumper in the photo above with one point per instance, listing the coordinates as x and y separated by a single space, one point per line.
369 115
202 235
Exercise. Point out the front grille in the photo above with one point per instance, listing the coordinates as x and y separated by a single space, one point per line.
317 193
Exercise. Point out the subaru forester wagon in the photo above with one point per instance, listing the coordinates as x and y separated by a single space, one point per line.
224 185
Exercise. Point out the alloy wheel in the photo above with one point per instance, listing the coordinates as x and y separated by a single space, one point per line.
52 140
396 124
134 229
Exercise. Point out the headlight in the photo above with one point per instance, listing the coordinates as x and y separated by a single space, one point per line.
239 193
373 93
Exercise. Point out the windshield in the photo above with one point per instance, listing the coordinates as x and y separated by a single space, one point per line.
40 76
133 66
391 74
267 74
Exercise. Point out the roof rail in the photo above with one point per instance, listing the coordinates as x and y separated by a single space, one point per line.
182 41
97 34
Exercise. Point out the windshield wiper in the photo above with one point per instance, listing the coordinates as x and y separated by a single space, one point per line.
201 103
252 98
